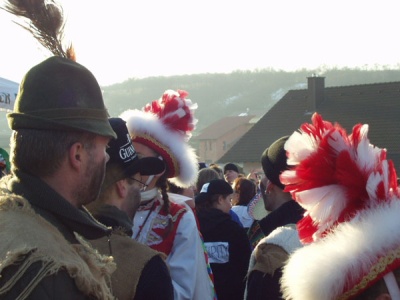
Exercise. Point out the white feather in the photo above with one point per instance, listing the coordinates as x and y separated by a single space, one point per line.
319 270
288 177
323 203
299 146
337 142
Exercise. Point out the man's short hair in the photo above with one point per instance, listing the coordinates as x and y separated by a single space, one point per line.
41 152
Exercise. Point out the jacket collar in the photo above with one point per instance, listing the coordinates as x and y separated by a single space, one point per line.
54 208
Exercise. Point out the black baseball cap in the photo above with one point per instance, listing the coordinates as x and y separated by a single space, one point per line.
122 152
214 187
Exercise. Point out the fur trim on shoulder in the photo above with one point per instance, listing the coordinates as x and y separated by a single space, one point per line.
27 236
349 259
285 236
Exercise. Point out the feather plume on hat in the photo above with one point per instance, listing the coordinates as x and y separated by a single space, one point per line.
165 125
349 191
44 19
58 93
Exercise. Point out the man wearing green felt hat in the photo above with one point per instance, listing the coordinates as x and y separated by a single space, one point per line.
58 156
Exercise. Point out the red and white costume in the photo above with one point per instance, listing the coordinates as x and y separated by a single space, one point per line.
165 126
351 225
180 245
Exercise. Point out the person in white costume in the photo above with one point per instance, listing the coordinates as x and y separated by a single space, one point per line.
162 129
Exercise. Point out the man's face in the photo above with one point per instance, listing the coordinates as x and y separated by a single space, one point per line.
230 176
94 173
133 196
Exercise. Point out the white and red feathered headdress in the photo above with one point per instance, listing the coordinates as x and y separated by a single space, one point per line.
165 125
352 221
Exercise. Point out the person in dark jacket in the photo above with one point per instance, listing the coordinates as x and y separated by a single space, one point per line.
141 272
58 156
226 242
263 279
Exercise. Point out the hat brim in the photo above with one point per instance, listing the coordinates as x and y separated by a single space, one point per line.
146 166
100 127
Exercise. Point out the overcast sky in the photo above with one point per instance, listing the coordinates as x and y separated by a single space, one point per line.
123 39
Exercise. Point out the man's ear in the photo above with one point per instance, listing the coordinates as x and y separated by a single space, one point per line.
75 155
121 188
269 188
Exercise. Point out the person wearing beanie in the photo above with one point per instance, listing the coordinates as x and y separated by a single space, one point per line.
161 129
269 255
147 276
349 190
58 157
226 241
283 210
231 172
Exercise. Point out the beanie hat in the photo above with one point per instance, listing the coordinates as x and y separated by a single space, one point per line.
351 225
122 152
214 187
60 94
165 125
232 167
273 161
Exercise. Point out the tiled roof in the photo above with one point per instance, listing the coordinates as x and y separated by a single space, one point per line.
375 104
222 126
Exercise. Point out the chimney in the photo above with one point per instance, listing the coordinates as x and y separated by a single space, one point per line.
316 92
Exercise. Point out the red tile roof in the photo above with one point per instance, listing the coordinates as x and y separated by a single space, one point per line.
222 126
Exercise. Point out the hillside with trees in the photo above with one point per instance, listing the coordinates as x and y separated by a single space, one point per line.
220 95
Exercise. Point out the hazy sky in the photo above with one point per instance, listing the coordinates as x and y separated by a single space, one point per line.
122 39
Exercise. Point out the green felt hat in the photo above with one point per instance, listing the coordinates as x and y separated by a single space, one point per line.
60 94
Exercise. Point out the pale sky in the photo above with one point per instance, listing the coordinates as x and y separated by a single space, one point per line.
123 39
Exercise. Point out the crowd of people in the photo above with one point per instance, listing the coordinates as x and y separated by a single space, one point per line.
100 207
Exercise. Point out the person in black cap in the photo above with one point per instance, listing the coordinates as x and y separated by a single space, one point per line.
58 157
146 276
231 172
225 240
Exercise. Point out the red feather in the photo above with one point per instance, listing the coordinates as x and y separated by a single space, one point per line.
336 161
173 110
306 229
